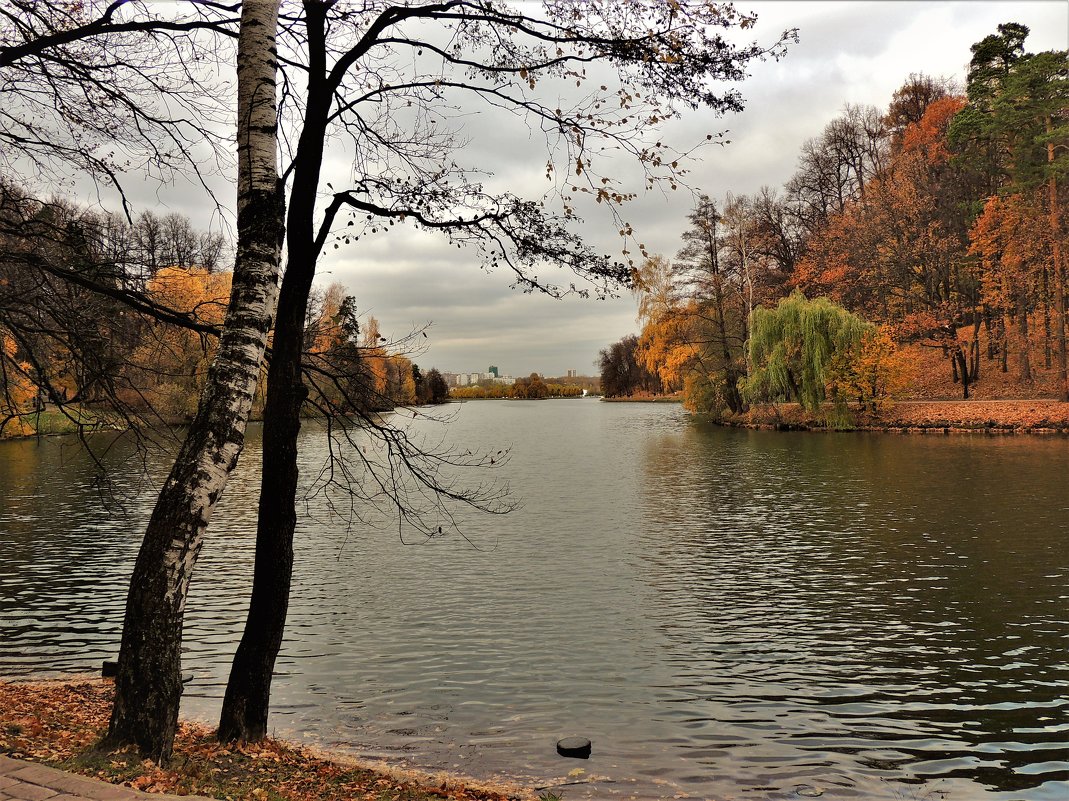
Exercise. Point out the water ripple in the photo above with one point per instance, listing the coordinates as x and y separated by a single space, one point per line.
724 613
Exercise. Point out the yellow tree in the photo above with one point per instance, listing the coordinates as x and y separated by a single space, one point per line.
169 366
665 346
873 372
17 390
1010 239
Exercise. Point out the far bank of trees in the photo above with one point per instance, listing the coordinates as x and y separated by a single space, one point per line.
531 387
88 304
938 220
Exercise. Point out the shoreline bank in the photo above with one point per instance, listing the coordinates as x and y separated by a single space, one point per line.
1036 416
57 722
678 398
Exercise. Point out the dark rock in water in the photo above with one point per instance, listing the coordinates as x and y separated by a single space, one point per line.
575 747
187 678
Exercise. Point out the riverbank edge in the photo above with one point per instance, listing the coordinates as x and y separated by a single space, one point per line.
1041 416
58 722
676 398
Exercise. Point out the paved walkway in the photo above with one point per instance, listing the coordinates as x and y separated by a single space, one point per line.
28 781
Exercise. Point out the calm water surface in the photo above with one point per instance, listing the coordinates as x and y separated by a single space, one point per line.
726 614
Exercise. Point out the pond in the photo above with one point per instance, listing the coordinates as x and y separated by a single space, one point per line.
724 613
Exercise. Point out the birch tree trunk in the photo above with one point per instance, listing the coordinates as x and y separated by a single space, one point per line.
148 686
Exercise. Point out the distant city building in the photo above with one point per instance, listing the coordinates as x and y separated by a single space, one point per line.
573 373
493 374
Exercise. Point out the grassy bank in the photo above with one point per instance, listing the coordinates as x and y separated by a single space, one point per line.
51 421
57 723
1039 416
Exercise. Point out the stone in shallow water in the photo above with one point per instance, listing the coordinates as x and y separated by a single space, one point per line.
577 747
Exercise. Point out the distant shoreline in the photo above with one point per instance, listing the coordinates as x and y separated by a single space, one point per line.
677 398
1035 416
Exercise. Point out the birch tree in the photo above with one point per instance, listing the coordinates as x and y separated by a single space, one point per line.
148 686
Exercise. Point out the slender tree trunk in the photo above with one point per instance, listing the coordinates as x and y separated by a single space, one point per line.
148 687
961 366
990 334
246 703
1024 360
1047 349
1059 274
1005 328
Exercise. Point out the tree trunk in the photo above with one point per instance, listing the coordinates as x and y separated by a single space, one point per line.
1024 359
248 692
990 334
974 349
1059 274
962 367
148 687
1004 347
246 703
1047 349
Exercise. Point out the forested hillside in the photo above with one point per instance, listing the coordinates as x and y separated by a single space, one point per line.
933 227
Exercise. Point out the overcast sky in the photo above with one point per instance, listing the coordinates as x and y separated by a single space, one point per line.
849 52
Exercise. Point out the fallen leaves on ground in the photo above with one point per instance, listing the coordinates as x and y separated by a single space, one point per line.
60 723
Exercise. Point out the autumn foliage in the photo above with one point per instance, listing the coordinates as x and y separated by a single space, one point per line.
73 357
939 221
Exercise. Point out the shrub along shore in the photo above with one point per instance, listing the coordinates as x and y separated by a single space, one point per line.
1038 416
58 723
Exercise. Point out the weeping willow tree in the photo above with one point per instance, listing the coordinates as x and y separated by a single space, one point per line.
796 348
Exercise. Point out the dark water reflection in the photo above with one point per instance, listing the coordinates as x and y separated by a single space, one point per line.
725 614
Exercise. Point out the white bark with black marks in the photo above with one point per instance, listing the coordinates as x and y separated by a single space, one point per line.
148 685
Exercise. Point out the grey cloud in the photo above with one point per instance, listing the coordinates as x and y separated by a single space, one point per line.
849 52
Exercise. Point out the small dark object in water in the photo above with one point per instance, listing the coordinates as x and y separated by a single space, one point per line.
577 747
187 678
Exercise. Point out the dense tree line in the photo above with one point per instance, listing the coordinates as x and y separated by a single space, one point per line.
531 387
938 219
88 304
